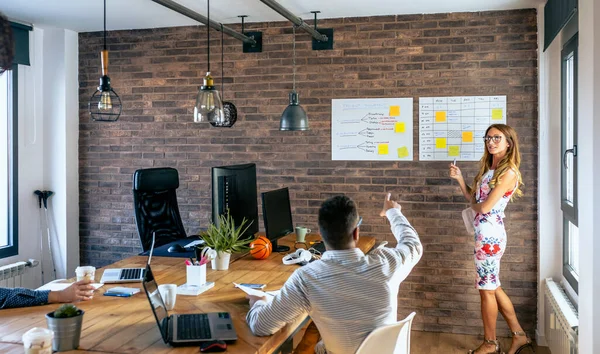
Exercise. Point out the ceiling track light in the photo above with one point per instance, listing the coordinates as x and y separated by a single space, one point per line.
252 40
322 37
105 104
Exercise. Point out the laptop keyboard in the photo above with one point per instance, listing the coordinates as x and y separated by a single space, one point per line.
194 326
131 274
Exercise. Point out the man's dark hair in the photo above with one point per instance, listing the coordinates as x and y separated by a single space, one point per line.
337 220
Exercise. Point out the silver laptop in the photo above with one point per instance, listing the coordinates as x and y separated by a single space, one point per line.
127 275
187 329
123 275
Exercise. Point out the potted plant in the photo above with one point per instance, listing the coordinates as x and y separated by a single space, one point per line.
66 323
225 239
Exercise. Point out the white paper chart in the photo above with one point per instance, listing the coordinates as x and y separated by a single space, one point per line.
453 127
372 129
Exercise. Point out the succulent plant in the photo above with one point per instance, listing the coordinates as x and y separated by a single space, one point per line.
66 311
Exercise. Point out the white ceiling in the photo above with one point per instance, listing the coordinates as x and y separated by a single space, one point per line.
86 15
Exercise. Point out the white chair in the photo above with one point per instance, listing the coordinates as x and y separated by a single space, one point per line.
390 339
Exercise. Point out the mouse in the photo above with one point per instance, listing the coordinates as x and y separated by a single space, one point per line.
177 248
213 346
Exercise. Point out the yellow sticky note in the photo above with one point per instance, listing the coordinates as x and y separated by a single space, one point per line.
440 143
383 149
403 152
454 150
394 111
399 127
497 113
467 137
440 116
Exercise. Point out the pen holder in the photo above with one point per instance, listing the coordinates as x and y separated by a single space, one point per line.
196 274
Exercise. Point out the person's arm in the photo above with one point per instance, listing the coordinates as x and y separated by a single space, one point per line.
21 297
267 317
409 245
456 174
78 291
507 183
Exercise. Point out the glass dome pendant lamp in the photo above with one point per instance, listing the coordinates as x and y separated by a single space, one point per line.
105 104
209 107
294 117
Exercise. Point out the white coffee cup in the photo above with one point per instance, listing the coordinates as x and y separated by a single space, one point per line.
301 233
168 292
87 272
38 341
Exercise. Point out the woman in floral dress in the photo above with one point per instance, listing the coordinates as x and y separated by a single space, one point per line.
497 181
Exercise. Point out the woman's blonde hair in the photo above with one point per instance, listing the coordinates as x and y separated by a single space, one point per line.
510 161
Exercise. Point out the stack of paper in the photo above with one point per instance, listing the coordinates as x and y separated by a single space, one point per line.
194 290
53 286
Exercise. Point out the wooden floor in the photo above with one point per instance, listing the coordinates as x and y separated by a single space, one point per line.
448 343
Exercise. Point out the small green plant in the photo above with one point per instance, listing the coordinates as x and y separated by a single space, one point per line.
227 237
66 311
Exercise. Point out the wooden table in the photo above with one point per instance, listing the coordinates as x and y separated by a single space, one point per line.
126 325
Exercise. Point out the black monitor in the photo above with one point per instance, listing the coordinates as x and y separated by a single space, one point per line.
277 215
234 188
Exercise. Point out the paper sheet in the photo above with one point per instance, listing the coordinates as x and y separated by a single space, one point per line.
62 286
256 292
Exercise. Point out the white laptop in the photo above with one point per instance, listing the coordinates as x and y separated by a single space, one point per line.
127 275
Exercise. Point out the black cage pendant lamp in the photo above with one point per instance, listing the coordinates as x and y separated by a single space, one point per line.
209 107
105 104
294 117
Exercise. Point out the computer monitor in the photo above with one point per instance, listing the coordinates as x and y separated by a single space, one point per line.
234 188
277 215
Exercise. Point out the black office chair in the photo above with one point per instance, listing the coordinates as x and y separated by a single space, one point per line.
155 206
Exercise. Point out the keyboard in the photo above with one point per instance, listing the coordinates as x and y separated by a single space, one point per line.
131 274
192 327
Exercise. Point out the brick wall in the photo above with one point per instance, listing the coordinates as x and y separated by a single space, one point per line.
156 72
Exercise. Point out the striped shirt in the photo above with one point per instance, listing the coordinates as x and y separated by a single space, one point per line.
346 293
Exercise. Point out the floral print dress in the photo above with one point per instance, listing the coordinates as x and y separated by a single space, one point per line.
490 236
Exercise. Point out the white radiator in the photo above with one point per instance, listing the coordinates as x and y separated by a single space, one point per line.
11 275
562 320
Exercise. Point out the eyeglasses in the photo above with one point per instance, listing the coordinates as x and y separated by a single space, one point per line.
359 222
495 138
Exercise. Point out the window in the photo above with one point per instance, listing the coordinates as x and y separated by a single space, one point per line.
8 163
569 163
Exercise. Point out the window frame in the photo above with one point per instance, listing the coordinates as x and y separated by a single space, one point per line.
12 249
569 211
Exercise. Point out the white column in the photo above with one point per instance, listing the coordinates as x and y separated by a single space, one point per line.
60 114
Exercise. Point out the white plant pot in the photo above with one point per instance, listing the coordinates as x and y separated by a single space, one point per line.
221 262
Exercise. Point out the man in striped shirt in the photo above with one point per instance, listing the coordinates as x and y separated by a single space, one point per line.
347 293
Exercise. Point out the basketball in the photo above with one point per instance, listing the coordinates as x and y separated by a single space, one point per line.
261 248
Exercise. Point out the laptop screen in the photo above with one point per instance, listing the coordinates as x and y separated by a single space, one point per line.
156 302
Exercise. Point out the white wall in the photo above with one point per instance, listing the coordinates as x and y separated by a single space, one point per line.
48 136
588 178
60 134
550 216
